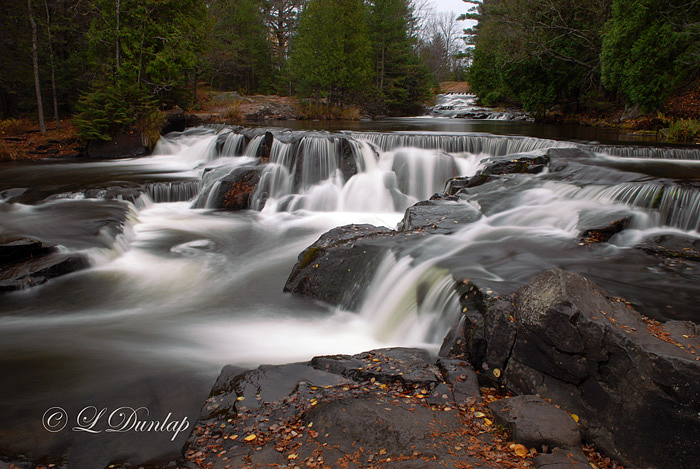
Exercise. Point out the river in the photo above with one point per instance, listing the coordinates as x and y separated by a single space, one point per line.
177 289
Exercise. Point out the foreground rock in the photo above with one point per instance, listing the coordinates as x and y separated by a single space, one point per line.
632 383
384 408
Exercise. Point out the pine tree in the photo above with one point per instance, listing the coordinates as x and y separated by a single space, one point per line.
332 51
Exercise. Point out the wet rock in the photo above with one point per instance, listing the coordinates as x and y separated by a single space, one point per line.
376 424
535 423
510 164
352 411
517 164
34 271
565 339
17 249
462 379
121 146
265 147
673 246
561 458
405 365
438 216
596 227
174 121
335 270
234 192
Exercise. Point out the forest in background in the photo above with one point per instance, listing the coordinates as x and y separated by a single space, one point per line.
115 64
592 56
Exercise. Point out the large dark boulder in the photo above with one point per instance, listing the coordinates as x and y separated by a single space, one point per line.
335 270
632 383
16 249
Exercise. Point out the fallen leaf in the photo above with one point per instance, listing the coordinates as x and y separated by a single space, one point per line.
250 437
487 422
479 415
520 450
497 372
575 417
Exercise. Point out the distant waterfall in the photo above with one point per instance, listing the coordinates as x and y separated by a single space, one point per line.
677 206
492 145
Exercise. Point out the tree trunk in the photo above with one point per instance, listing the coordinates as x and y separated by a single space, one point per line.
116 36
53 69
35 60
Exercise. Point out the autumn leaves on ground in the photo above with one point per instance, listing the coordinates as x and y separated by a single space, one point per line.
383 408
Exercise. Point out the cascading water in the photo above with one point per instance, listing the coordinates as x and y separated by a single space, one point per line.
180 288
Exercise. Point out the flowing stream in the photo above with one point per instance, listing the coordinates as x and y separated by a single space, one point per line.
177 289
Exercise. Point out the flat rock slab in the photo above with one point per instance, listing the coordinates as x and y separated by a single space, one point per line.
536 423
35 271
562 459
382 408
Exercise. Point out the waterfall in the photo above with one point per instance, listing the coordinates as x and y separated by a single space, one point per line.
676 206
233 145
178 191
647 152
411 302
492 145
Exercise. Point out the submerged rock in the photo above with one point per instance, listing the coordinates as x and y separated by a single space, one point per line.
674 246
26 263
598 227
565 339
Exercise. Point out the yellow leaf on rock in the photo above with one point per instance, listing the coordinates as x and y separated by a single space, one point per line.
292 456
520 450
479 415
575 417
497 372
250 437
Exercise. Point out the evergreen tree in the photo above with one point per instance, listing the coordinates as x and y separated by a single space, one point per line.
332 51
141 54
400 79
240 55
651 48
537 53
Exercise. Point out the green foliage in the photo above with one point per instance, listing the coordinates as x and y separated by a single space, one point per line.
537 53
684 130
143 61
332 57
240 56
108 110
401 80
651 48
